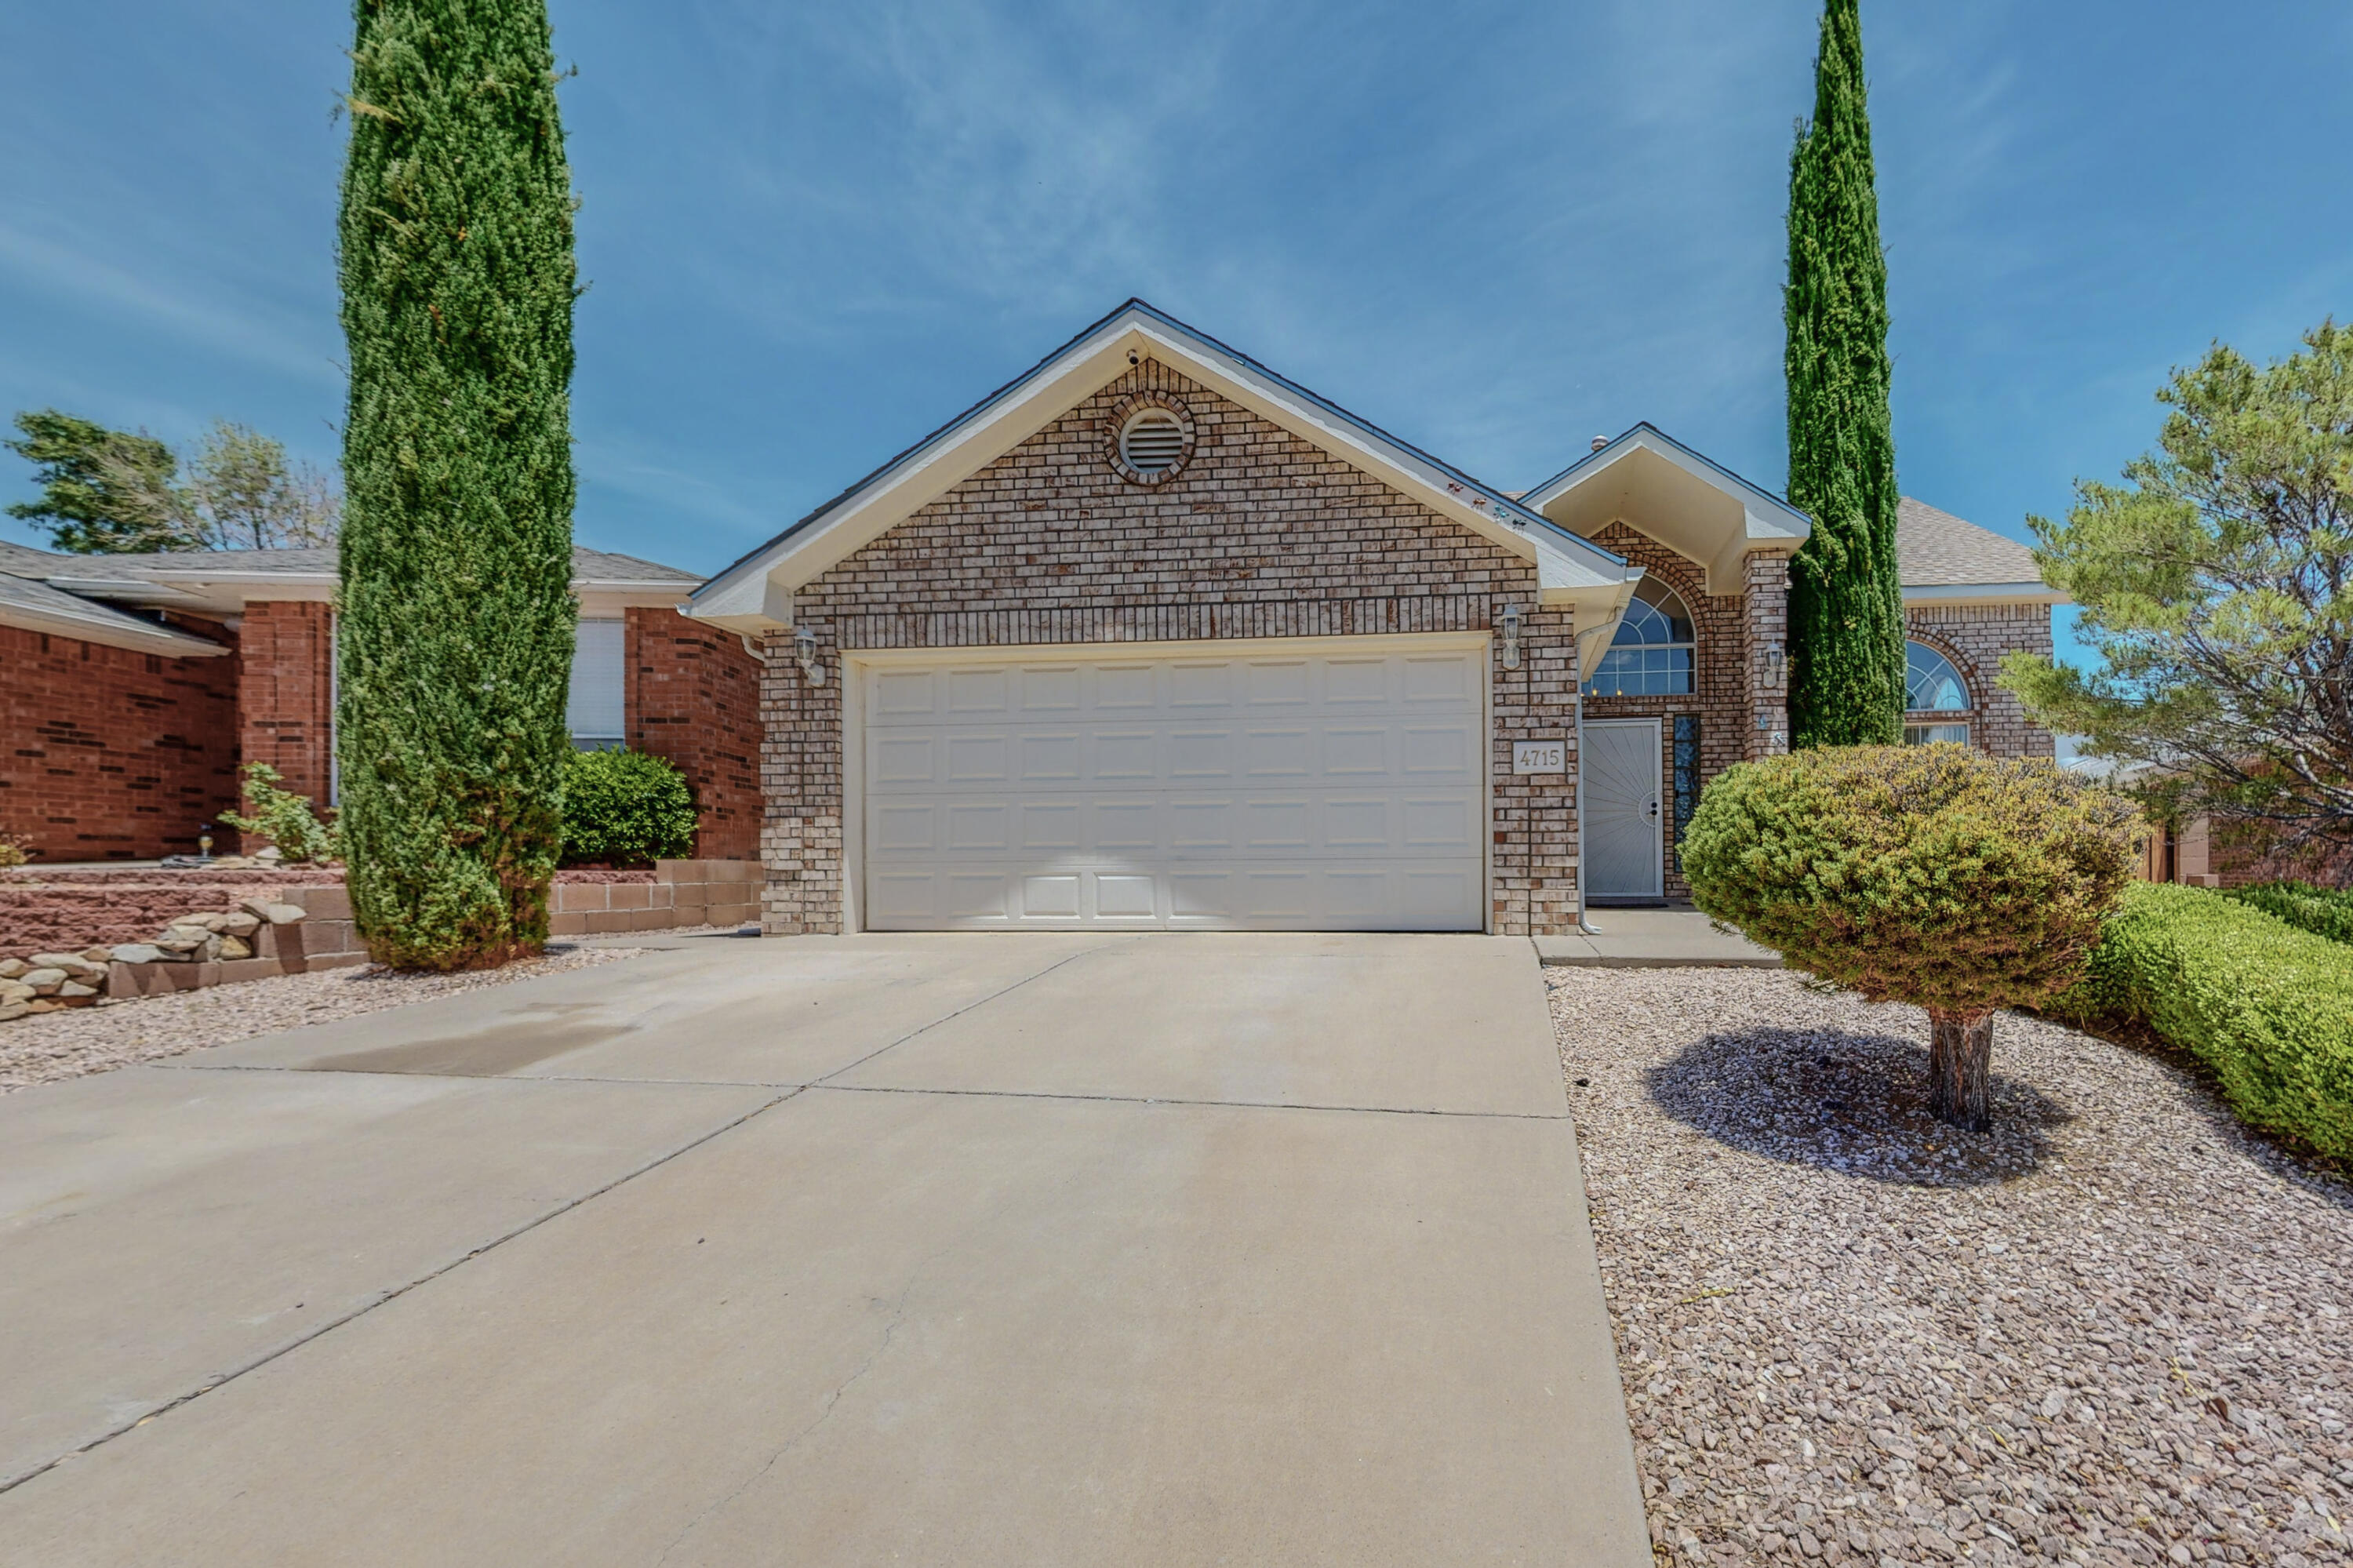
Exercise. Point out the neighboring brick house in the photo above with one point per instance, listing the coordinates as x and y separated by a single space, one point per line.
133 687
1151 637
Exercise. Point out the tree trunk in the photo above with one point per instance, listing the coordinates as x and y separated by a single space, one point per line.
1961 1068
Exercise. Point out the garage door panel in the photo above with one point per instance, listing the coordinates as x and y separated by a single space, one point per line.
1200 824
1122 688
1197 686
1277 753
903 829
1201 753
1127 754
1357 682
1127 897
1049 689
1052 824
1343 790
1050 758
901 759
977 757
1123 826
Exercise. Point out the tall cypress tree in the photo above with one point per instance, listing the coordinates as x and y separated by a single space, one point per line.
455 636
1846 603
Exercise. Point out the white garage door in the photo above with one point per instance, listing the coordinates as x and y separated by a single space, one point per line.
1331 789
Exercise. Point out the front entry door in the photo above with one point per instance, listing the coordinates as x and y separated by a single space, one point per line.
1624 857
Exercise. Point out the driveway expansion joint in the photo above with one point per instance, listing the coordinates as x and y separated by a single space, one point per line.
1186 1100
9 1483
959 1012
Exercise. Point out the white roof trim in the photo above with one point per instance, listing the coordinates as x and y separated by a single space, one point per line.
755 593
1768 524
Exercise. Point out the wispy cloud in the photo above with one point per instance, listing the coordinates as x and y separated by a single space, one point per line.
65 262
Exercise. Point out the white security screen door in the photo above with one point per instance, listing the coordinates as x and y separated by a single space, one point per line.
1321 787
1623 852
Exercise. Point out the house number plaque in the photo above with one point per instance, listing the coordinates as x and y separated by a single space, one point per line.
1540 757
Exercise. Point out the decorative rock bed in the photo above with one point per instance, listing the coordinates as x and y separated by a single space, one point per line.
67 938
287 930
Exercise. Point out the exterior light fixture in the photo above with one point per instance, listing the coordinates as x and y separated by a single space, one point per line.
805 648
1775 659
1511 637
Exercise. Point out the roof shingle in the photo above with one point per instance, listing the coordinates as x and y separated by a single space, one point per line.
1937 549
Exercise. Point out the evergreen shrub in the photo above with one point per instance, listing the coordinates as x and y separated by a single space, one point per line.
625 807
2266 1006
456 619
1932 874
2322 911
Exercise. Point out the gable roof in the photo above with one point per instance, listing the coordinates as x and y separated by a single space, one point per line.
1937 551
1678 495
755 592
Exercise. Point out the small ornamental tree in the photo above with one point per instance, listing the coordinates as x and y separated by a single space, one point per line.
1933 874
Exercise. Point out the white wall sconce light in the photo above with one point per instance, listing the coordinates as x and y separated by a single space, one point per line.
804 649
1510 626
1776 664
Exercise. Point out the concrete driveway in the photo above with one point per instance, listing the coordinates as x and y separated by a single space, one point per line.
1033 1249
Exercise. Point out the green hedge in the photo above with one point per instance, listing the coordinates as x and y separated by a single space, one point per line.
625 807
2268 1007
2322 911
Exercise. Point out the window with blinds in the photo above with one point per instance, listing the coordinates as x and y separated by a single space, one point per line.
595 714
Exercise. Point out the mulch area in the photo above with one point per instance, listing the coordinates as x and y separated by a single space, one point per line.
2112 1331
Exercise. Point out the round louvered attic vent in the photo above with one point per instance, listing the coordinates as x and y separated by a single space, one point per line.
1152 442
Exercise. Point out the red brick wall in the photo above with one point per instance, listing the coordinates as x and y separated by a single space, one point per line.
285 693
110 754
1259 535
692 696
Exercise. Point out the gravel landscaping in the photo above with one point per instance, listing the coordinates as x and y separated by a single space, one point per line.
50 1046
2113 1330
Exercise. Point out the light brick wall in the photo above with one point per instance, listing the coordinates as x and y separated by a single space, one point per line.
1974 636
1259 535
1720 693
113 754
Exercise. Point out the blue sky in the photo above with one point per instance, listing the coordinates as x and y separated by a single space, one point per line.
814 231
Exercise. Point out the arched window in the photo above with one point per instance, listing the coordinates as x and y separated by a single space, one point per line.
1931 685
1651 654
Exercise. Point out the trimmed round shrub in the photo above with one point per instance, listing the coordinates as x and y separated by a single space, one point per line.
1934 874
625 807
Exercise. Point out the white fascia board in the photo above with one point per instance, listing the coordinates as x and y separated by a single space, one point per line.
1767 521
111 629
609 598
1984 593
745 597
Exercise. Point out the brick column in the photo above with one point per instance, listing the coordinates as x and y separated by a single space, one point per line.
1764 627
1534 871
801 783
285 705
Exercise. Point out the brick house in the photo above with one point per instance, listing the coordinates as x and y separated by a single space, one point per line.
133 687
1153 637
